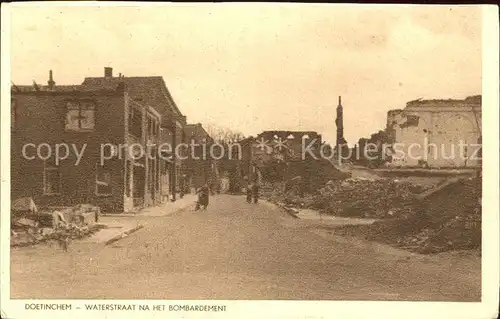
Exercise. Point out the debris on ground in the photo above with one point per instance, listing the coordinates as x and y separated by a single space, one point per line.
24 204
353 197
273 192
432 217
449 219
30 226
364 197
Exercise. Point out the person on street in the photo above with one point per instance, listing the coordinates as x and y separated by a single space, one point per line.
256 185
248 189
253 185
203 197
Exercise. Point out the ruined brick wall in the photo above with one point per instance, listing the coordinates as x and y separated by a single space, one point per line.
430 134
40 118
295 143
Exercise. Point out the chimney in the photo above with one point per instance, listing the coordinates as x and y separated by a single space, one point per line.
340 100
51 82
108 72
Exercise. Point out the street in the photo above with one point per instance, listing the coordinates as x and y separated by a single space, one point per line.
235 250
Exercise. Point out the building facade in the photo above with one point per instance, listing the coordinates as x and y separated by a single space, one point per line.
201 164
436 133
111 128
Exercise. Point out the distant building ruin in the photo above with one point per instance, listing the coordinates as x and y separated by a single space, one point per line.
436 133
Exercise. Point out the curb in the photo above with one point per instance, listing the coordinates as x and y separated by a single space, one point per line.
123 235
290 210
130 231
125 215
120 215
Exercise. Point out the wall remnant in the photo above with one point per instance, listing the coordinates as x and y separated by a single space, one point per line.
438 133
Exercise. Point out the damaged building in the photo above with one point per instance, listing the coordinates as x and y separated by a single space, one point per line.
107 110
279 146
281 156
436 133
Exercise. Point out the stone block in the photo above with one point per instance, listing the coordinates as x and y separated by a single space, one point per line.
24 204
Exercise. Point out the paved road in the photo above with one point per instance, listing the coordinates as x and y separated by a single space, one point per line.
236 250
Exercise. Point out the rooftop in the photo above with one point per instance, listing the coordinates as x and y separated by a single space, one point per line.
475 99
150 90
288 132
190 129
58 88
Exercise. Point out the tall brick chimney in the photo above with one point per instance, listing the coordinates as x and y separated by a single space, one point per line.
108 72
51 82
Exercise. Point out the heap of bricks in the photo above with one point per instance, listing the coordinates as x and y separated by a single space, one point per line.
381 198
449 219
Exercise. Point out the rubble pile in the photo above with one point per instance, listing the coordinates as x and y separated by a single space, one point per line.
290 193
362 197
353 197
302 180
273 192
34 235
448 220
29 226
416 217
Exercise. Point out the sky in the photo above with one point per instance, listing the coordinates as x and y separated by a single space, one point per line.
254 67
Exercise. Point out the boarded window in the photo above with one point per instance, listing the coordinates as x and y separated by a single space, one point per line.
87 115
80 115
51 179
103 180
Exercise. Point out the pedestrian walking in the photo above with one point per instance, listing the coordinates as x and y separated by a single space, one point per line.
253 185
257 180
248 189
203 197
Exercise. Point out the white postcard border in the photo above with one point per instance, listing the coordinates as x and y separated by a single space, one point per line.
285 309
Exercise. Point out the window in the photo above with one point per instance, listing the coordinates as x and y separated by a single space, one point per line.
51 179
135 122
153 171
152 126
13 114
155 127
80 116
103 180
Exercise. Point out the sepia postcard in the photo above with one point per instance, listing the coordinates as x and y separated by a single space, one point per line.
249 160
